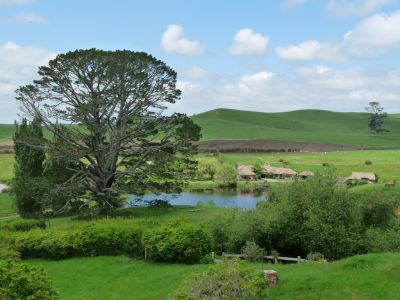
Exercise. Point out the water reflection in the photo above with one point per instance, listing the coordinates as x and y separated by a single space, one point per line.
221 198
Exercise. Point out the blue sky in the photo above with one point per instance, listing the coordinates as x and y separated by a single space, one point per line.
254 55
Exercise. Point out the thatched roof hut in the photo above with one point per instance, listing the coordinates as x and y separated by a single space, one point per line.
305 174
278 172
367 176
245 172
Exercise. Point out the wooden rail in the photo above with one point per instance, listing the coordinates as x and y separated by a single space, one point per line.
275 259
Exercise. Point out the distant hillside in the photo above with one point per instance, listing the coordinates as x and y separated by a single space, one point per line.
316 126
310 126
6 132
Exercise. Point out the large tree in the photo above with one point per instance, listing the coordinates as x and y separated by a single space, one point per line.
376 117
112 105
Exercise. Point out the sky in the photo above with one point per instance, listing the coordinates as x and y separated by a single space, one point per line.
254 55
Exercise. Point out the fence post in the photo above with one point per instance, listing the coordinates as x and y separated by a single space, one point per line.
145 253
298 259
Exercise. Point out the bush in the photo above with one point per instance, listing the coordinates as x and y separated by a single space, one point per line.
227 280
252 252
383 240
182 243
316 256
21 282
368 162
22 224
103 237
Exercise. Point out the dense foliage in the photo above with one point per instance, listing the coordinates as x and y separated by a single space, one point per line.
113 237
310 216
22 224
19 281
180 243
28 168
228 280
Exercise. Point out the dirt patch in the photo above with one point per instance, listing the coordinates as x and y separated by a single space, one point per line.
244 146
6 147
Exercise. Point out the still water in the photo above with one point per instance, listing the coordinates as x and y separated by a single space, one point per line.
220 198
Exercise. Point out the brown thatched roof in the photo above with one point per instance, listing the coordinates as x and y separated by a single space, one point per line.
244 171
306 174
362 176
278 171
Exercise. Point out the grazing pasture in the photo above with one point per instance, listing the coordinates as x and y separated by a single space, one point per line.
386 163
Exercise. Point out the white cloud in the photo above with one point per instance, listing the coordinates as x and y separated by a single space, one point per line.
248 42
26 18
18 66
311 50
173 42
196 73
318 88
374 35
355 7
287 4
15 2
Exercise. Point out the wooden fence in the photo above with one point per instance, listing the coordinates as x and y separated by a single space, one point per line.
275 259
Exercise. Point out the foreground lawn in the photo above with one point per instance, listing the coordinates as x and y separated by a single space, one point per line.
115 277
371 276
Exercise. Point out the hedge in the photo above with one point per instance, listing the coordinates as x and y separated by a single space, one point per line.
184 243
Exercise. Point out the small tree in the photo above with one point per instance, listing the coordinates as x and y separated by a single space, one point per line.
376 117
28 168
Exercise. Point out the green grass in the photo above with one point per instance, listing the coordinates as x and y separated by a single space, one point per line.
6 132
371 276
304 125
115 278
366 277
385 163
6 167
6 203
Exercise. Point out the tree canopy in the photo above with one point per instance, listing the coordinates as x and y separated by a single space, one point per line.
376 117
112 105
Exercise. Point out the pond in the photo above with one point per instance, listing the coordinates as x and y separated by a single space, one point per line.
220 198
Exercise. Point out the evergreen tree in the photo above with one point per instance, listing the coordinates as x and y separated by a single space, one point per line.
28 168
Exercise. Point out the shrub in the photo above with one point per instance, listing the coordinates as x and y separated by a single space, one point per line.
383 240
21 282
182 243
252 252
368 162
325 164
103 237
227 280
22 224
316 256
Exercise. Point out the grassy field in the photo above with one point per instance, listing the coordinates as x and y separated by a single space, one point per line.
6 132
386 163
304 125
6 167
372 276
6 204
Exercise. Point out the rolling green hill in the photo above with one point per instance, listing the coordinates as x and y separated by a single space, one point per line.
317 126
